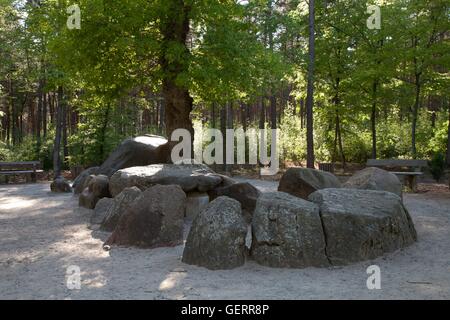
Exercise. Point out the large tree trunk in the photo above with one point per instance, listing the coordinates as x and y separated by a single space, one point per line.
310 97
178 102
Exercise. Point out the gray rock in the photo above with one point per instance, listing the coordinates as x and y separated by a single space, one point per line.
375 179
363 224
120 205
245 193
139 151
287 232
156 219
60 185
101 210
217 238
98 188
195 203
301 182
190 178
82 181
87 199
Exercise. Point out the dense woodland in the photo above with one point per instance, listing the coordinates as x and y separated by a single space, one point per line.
152 66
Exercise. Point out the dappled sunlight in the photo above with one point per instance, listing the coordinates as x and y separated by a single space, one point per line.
16 203
171 281
94 280
77 240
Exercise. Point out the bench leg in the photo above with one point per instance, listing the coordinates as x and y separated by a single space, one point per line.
412 183
33 177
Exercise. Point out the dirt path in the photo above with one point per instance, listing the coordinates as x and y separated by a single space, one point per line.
41 235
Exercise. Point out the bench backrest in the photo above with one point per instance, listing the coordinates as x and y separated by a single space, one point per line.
397 163
26 165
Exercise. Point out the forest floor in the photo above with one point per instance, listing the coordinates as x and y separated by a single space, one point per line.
42 234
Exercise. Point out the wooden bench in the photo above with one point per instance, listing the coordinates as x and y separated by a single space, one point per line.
415 168
28 168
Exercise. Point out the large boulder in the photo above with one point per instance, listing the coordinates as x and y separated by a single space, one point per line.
98 188
362 224
154 220
190 177
287 232
375 179
82 181
245 193
301 182
101 210
60 185
120 205
139 151
217 238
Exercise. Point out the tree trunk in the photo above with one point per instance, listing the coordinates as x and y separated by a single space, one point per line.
310 96
273 112
213 115
64 135
448 138
223 129
57 144
39 118
104 129
415 113
339 139
373 120
230 124
262 115
178 102
44 116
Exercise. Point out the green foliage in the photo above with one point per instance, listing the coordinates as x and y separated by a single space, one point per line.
27 151
437 166
5 152
112 71
292 140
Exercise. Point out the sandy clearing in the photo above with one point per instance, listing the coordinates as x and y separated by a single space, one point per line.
42 234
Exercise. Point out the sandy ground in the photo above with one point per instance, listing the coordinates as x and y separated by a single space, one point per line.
42 234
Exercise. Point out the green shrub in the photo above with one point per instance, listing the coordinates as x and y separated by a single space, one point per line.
5 152
437 166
